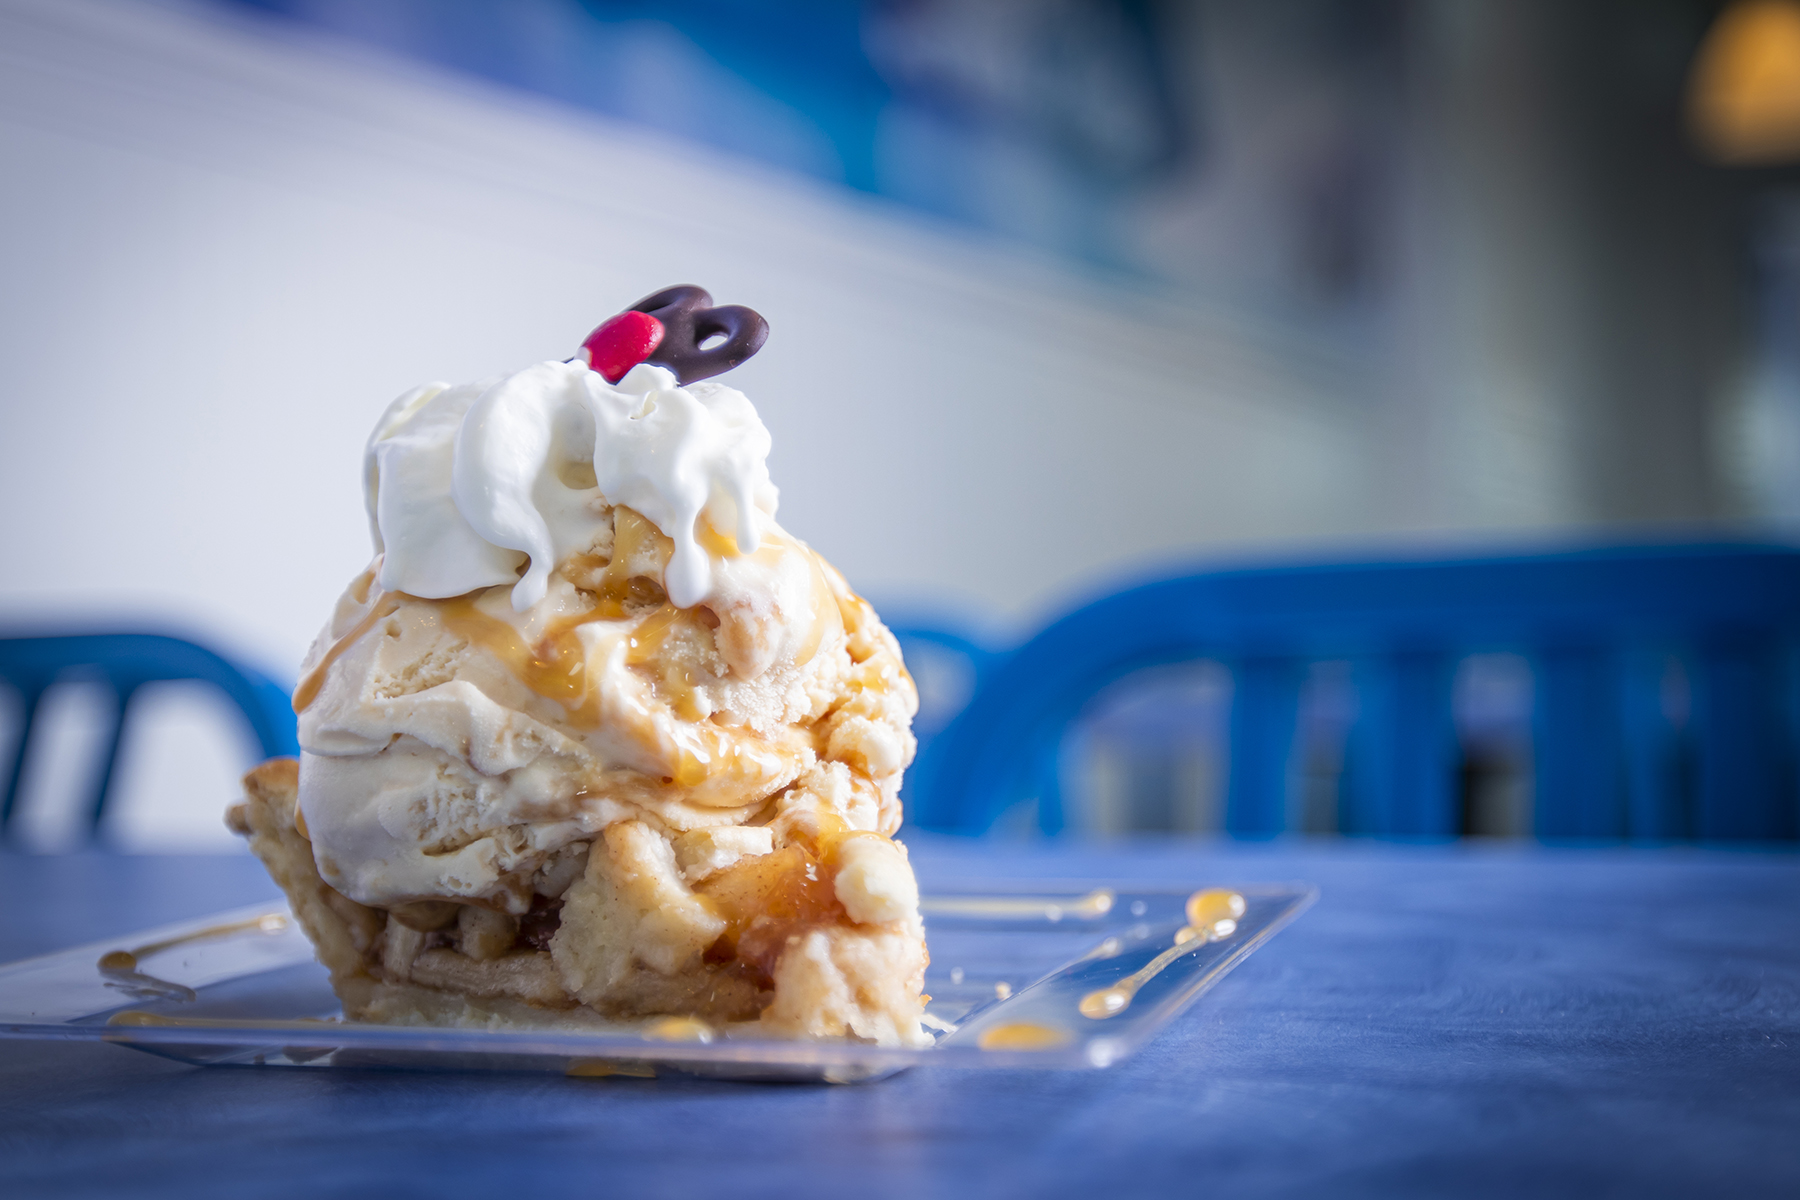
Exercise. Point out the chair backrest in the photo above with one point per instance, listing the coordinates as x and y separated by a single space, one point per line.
126 662
949 665
1596 626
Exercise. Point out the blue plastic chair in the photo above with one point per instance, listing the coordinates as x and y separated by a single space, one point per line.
1596 625
126 662
935 646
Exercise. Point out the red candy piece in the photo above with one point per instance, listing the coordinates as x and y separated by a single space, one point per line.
622 343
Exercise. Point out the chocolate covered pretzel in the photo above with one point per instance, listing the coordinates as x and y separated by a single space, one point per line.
672 328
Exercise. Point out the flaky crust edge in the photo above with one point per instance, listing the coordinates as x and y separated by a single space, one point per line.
342 931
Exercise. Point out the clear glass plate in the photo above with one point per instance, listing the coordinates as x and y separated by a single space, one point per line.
1049 978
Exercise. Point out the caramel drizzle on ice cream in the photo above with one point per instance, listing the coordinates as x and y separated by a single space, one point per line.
556 664
385 603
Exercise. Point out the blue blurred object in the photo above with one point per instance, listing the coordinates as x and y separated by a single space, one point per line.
948 665
126 662
1601 628
1043 121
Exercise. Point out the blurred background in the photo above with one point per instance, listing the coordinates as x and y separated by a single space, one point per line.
1063 293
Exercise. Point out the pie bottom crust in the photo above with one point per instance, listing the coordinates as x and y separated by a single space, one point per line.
636 945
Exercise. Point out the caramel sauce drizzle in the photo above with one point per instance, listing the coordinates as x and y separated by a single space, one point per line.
119 968
137 1017
1212 916
632 533
384 604
825 612
1022 1035
1096 903
767 900
678 1029
604 1068
555 665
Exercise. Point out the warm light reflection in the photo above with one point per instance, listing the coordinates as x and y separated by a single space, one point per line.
1744 94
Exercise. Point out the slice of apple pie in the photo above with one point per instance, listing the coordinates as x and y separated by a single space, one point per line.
593 739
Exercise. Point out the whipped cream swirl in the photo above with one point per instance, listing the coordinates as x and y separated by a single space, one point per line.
466 485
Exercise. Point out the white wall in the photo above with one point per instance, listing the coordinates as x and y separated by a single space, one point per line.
225 251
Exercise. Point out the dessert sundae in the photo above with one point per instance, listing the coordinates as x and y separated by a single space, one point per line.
593 739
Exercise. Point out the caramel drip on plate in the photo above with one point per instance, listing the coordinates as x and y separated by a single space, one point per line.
1096 903
679 1029
1022 1035
141 1019
603 1068
120 967
1212 914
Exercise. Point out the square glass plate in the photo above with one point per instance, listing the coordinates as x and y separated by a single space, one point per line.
1047 978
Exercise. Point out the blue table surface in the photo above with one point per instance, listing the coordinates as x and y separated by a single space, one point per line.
1448 1020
